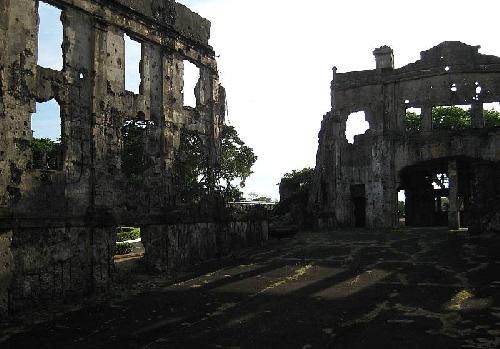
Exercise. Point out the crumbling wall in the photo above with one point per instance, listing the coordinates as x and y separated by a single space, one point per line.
57 226
182 244
452 73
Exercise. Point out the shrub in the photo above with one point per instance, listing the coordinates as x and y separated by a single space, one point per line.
123 248
128 233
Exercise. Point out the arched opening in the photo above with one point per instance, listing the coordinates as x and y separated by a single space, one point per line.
426 187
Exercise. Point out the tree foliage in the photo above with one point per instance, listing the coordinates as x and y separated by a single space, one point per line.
191 168
46 153
134 163
193 172
450 118
236 163
492 118
193 177
302 176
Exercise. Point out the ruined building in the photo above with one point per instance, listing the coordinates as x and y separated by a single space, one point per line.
358 184
58 222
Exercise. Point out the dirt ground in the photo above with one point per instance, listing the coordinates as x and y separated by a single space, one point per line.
410 288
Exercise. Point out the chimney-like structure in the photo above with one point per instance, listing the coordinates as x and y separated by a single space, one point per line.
384 58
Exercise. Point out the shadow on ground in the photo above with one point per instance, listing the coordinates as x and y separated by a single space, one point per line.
412 288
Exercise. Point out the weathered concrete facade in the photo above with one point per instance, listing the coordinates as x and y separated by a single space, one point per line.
57 226
357 184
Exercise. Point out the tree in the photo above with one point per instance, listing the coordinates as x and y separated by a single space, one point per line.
236 163
193 172
133 160
302 177
492 118
46 153
450 118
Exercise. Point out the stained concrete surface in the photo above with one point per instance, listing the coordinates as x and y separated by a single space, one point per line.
411 288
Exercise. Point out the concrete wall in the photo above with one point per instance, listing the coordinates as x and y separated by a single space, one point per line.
57 225
448 74
174 247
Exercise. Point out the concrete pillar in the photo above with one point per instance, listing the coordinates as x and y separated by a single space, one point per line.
477 117
453 210
426 118
384 58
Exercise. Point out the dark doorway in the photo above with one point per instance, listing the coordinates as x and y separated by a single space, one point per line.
359 203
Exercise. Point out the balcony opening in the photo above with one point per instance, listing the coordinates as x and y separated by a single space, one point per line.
50 37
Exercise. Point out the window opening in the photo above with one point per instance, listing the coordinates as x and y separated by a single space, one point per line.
455 117
401 207
413 120
50 37
46 132
191 78
128 248
356 125
133 52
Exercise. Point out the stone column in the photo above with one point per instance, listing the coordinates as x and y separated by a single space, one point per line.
426 118
453 210
477 117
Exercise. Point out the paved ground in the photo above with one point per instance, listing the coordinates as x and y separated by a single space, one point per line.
357 289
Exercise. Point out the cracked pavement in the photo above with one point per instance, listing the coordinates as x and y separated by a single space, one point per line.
408 288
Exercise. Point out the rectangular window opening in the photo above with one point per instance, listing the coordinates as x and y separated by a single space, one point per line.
129 246
46 130
413 120
452 117
133 56
191 78
50 37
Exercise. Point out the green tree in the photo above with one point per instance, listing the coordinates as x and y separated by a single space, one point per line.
412 122
46 153
192 167
236 163
134 162
492 118
303 176
450 118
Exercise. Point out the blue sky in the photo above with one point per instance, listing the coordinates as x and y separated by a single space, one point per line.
46 123
276 58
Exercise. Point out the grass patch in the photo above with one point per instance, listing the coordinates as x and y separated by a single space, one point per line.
128 233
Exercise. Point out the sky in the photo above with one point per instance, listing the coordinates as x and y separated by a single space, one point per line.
275 59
